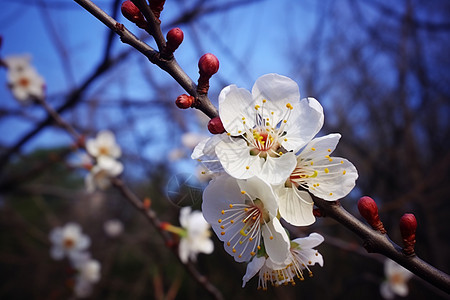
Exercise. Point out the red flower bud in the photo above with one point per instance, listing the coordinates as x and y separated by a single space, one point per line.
174 38
369 210
408 226
184 101
208 65
133 14
156 7
215 126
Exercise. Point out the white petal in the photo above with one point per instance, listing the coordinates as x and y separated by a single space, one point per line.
234 155
183 250
91 147
57 253
234 104
276 241
278 90
253 267
295 206
385 291
184 216
205 152
400 289
276 170
313 240
56 235
106 138
320 147
257 188
304 123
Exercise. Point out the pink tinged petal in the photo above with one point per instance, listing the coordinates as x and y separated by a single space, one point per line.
234 105
278 90
276 241
313 240
253 267
305 121
275 170
296 207
236 160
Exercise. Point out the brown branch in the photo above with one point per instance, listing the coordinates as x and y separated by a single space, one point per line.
375 242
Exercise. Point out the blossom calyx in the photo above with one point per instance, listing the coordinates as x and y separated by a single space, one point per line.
215 126
133 14
208 65
369 210
184 101
408 226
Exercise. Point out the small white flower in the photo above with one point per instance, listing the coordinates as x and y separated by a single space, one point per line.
103 145
243 214
23 79
261 126
68 241
329 178
113 228
197 235
88 274
396 280
101 173
301 256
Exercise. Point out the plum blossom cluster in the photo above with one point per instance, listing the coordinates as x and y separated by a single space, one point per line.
24 81
69 241
106 151
396 283
266 165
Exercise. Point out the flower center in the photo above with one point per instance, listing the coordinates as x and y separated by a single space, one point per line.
24 82
242 223
103 151
68 243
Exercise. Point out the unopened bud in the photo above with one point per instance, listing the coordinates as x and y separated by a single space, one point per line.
208 65
133 14
317 212
215 126
369 210
408 226
174 38
184 101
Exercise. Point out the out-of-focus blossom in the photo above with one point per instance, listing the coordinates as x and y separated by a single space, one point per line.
101 173
68 241
301 256
113 228
24 81
198 235
191 139
104 145
88 274
396 280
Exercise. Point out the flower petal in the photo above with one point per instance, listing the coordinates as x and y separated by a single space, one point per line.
257 188
236 160
320 147
275 170
253 267
205 152
295 206
311 241
234 105
276 241
305 121
278 90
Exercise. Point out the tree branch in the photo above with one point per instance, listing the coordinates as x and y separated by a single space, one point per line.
375 242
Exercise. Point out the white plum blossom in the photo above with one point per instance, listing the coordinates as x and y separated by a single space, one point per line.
68 241
197 236
301 256
264 129
101 173
103 145
243 214
326 177
88 274
24 81
113 228
396 280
